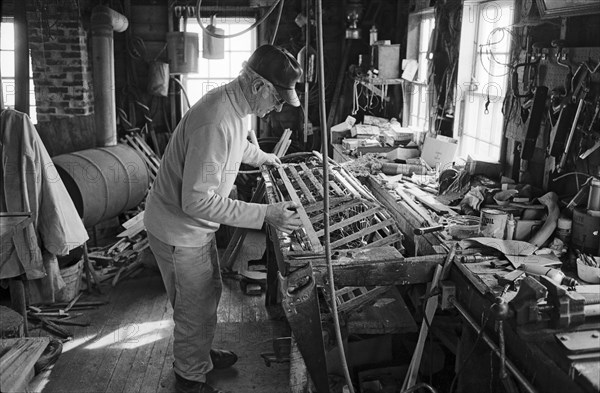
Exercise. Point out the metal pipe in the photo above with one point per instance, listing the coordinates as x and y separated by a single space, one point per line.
324 148
21 58
104 21
509 365
306 69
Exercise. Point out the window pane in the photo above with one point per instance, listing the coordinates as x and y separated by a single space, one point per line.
216 72
7 35
8 87
7 64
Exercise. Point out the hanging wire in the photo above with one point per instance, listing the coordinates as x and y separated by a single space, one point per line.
213 34
277 23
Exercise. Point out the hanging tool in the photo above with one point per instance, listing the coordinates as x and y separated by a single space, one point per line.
565 155
534 122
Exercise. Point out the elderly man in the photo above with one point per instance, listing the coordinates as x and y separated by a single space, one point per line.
189 200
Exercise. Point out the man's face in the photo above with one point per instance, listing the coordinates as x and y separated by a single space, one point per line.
268 100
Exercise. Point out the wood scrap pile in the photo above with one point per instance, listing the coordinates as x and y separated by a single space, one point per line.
17 364
53 316
122 259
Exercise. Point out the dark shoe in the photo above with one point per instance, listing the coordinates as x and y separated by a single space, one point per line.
183 385
222 359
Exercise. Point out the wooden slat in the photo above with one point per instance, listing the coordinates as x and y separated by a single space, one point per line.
335 187
312 178
310 232
301 184
336 210
355 302
385 241
359 234
350 220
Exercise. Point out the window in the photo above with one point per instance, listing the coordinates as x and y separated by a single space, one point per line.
213 73
7 68
483 77
417 91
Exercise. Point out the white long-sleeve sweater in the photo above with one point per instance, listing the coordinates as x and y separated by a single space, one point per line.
190 195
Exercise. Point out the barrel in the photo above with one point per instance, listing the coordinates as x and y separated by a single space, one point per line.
103 182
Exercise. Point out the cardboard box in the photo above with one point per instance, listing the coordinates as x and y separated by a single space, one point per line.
388 61
439 151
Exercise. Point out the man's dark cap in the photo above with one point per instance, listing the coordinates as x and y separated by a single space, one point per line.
279 67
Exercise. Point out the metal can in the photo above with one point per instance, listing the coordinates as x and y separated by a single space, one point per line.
492 223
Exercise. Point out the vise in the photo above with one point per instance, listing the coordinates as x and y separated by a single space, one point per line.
543 300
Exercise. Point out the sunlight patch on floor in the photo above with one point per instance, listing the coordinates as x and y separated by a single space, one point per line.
134 335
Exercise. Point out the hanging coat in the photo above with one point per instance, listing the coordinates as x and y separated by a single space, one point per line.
30 183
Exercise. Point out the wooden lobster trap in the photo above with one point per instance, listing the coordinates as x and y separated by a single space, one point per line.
357 220
366 248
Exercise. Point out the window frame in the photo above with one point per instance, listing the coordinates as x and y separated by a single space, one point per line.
6 20
219 81
468 89
418 89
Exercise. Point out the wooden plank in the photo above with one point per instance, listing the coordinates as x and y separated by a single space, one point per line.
357 235
390 316
384 241
17 364
429 201
381 266
134 220
430 307
350 220
354 302
301 184
333 202
333 185
312 178
310 232
406 219
338 209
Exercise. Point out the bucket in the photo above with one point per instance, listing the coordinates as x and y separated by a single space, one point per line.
183 49
492 223
103 182
584 233
72 278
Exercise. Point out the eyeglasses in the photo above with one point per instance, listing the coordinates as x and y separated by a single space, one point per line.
275 93
278 99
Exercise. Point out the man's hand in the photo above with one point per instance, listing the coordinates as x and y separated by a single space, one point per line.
272 159
284 216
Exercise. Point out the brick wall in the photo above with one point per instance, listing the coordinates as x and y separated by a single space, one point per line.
61 70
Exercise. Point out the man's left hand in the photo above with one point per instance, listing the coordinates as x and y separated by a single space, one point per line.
273 160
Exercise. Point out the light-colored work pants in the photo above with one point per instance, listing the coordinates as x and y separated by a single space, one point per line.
192 278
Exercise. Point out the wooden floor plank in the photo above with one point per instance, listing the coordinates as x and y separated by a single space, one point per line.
137 341
158 355
160 330
118 342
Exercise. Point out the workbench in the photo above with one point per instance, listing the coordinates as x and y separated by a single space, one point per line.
534 349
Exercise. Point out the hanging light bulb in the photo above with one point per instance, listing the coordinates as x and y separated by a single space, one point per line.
212 47
309 73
